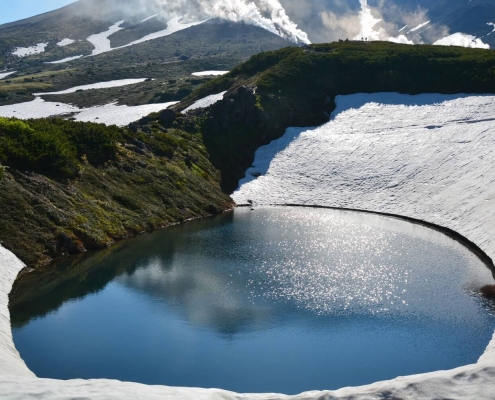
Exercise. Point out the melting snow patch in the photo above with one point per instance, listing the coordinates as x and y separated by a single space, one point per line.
5 74
205 102
99 85
112 114
101 41
174 25
64 60
65 42
462 40
27 51
210 73
38 108
109 114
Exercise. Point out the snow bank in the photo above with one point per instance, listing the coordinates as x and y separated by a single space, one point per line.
65 42
102 44
101 41
99 85
38 108
109 114
429 157
27 51
205 102
210 73
112 114
64 60
5 74
463 40
174 25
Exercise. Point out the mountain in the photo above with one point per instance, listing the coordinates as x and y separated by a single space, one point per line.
103 42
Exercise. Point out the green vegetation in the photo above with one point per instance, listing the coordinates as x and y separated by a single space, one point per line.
55 147
71 187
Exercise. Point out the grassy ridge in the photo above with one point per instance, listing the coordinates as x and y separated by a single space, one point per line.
67 187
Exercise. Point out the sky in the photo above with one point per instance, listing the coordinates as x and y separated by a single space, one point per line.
14 10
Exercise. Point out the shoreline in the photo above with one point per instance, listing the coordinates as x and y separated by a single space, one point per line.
471 246
23 384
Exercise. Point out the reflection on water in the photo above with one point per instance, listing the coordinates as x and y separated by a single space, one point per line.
277 299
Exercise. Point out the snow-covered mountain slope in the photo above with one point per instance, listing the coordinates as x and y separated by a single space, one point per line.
429 157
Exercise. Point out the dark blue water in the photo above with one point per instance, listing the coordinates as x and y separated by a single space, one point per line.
273 300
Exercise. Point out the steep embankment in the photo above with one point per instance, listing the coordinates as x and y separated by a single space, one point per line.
67 187
298 86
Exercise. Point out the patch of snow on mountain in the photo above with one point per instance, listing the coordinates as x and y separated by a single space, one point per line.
174 25
64 60
417 28
38 108
147 19
109 114
27 51
65 42
101 41
429 157
113 114
463 40
5 74
205 102
99 85
210 73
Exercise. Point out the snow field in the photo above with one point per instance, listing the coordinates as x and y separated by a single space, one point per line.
205 102
108 114
65 42
27 51
99 85
429 157
210 73
5 74
64 60
101 41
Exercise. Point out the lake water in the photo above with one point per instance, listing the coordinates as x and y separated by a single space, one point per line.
272 300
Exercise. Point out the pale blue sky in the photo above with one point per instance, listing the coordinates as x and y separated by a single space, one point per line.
14 10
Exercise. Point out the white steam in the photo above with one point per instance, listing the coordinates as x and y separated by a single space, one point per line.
266 14
368 24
